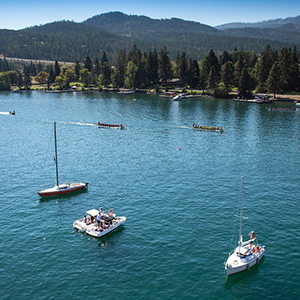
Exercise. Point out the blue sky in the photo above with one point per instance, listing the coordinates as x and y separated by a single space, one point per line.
18 14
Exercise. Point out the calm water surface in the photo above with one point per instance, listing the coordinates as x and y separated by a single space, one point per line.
180 204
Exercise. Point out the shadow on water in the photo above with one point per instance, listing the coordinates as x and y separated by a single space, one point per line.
231 280
62 197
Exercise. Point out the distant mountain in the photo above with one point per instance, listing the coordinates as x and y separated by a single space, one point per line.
275 23
111 32
143 27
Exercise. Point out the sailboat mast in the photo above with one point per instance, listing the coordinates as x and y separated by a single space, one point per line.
56 163
241 217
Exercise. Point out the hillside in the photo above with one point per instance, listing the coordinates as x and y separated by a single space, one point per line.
275 23
110 32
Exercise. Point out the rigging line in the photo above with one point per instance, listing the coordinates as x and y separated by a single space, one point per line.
238 203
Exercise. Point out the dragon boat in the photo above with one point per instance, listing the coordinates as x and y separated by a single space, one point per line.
106 125
208 128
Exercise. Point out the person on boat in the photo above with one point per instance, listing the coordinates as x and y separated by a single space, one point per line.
101 210
104 225
99 219
252 235
85 219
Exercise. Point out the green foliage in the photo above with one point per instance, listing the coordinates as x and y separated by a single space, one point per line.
4 82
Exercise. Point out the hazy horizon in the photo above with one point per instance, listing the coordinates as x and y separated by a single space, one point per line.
21 14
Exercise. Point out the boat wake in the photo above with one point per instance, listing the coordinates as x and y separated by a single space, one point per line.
182 127
78 123
4 113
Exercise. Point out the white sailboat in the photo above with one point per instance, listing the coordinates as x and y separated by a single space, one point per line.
248 253
63 188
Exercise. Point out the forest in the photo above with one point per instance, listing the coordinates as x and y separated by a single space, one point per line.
242 71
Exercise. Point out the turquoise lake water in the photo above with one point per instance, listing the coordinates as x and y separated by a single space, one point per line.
180 204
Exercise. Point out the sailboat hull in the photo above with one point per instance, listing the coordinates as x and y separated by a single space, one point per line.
236 263
63 189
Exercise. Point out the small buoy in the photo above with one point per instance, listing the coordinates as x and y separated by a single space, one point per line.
179 148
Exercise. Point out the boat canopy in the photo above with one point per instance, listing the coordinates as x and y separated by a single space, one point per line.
93 212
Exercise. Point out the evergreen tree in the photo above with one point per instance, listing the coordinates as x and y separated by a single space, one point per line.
244 84
152 67
294 70
130 75
273 81
27 78
106 73
213 78
238 68
209 62
120 65
266 61
193 73
104 58
20 81
225 57
56 69
183 69
97 68
51 78
164 66
88 64
227 76
77 69
32 69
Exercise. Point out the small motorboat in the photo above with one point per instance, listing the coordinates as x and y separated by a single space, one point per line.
107 223
12 112
179 97
208 128
246 254
106 125
88 220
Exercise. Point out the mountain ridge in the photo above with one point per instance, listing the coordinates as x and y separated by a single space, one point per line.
111 32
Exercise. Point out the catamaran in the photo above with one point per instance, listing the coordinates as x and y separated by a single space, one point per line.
63 188
248 253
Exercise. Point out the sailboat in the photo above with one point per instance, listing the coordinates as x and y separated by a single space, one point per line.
63 188
246 254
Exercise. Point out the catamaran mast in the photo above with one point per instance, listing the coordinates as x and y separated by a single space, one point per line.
241 217
56 163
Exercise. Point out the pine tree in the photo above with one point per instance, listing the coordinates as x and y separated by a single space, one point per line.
164 66
97 68
27 78
183 69
120 65
88 64
77 69
244 84
227 76
56 69
210 61
273 81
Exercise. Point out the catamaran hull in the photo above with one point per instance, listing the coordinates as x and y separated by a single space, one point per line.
56 191
245 265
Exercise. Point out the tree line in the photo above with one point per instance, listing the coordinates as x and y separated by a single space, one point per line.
244 71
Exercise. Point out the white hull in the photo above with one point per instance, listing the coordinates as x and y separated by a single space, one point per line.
99 232
81 225
236 263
